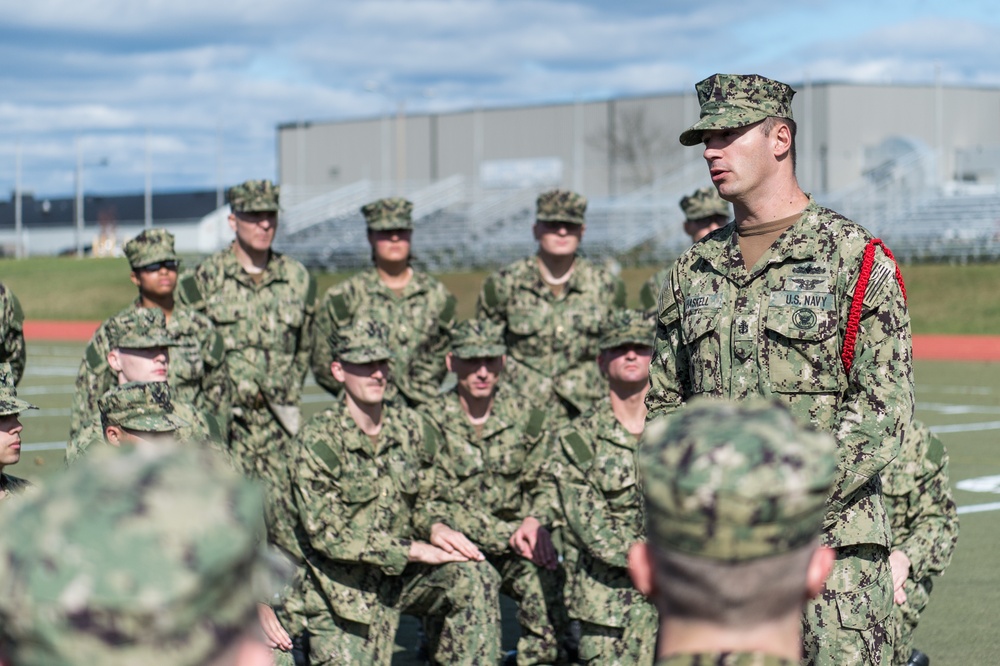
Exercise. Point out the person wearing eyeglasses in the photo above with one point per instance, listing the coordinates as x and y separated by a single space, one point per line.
197 373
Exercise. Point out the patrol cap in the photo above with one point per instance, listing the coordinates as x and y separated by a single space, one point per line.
150 247
734 481
254 196
388 214
142 406
628 327
478 338
703 203
365 341
138 328
148 557
9 402
736 100
561 206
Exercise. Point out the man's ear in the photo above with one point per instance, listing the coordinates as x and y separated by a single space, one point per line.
820 566
134 278
641 568
337 370
781 137
114 360
113 435
232 222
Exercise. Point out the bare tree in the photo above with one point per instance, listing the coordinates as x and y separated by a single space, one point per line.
633 143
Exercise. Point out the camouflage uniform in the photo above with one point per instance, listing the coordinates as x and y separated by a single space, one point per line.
149 559
357 499
924 523
486 484
419 318
602 505
552 340
10 404
778 331
11 332
703 204
265 328
733 483
197 372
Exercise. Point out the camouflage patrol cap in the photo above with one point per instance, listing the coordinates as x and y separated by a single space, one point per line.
9 402
702 203
737 100
628 327
388 214
149 557
734 481
142 406
561 206
478 338
138 328
254 196
150 247
365 341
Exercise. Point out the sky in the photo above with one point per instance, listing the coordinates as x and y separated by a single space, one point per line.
195 89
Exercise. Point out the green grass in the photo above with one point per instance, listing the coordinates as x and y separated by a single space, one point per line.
942 298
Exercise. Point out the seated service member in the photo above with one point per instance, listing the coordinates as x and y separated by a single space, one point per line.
924 523
773 306
735 495
11 332
704 212
197 374
139 353
360 468
488 475
416 307
601 502
10 432
138 413
150 557
552 306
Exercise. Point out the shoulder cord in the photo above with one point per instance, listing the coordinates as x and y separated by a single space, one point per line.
854 318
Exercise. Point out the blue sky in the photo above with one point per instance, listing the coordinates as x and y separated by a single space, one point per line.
194 76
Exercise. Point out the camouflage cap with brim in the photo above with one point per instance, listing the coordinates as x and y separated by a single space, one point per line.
138 328
365 341
147 557
141 406
393 213
478 338
735 481
9 402
561 206
150 247
254 196
736 100
628 327
703 203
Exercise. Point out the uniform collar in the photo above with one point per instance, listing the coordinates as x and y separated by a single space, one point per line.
418 284
273 272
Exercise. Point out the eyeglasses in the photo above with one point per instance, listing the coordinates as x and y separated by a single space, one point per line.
170 265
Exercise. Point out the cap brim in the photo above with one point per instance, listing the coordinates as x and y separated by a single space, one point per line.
480 351
693 135
621 342
10 406
154 423
367 356
145 343
156 258
560 218
391 225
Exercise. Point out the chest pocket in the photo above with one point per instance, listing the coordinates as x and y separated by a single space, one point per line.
803 351
506 461
615 475
524 321
701 341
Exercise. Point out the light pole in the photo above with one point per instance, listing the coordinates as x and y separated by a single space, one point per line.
400 103
78 206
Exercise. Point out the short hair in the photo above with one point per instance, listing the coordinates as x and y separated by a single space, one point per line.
736 595
771 122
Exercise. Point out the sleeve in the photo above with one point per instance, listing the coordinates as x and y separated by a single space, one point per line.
647 295
668 376
541 495
93 379
932 517
216 395
491 303
619 299
304 351
335 310
335 510
13 351
428 368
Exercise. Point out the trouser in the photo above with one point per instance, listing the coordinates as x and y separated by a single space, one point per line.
907 615
850 621
632 643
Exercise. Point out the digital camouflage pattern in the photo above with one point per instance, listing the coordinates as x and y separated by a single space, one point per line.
9 402
649 293
924 522
777 331
254 196
735 481
150 247
485 484
561 206
600 498
552 340
725 659
388 214
628 327
704 202
365 341
737 100
12 332
196 373
357 498
477 338
419 321
161 574
265 327
142 406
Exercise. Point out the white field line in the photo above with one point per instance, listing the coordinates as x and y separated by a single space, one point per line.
979 508
965 427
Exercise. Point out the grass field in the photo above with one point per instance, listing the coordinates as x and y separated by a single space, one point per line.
960 400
